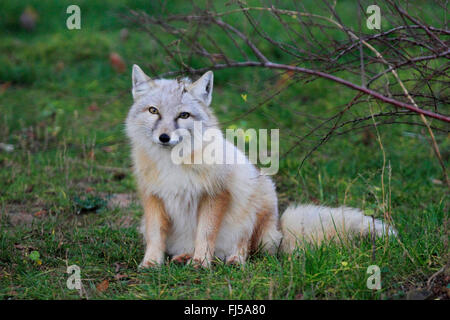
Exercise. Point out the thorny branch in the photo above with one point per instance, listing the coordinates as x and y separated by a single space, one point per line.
309 45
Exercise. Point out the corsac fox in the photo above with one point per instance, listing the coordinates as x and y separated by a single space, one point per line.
197 212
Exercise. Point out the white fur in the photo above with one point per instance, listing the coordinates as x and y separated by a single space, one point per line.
181 186
315 223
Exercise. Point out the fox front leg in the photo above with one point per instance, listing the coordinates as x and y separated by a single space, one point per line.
155 227
211 212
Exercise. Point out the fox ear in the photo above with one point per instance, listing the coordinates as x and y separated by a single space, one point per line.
203 87
141 82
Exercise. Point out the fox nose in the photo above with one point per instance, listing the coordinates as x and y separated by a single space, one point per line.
164 138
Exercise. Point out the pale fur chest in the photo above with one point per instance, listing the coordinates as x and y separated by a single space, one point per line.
158 175
180 188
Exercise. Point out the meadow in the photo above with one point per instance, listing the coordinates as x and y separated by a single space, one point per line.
67 195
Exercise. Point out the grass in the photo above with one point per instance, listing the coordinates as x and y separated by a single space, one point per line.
63 108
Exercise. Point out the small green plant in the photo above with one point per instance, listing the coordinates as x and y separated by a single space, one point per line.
89 203
35 257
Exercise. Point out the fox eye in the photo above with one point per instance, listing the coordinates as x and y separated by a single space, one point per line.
184 115
153 110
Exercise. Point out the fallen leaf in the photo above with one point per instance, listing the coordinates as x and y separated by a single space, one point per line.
285 77
117 62
314 200
103 286
19 246
40 213
299 296
4 86
93 107
91 155
121 276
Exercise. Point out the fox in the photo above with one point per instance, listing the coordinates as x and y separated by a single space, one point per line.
197 212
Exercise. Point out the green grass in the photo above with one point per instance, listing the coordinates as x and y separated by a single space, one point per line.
65 149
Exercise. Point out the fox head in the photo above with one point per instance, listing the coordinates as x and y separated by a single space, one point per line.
162 107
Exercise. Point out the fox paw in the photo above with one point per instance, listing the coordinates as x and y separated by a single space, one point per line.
235 260
198 263
181 258
146 264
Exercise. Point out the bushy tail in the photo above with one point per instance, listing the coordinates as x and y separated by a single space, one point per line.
316 223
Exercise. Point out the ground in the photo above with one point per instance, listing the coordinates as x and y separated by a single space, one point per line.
67 195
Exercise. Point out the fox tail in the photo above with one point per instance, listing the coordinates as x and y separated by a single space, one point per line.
316 223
